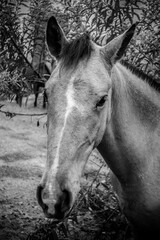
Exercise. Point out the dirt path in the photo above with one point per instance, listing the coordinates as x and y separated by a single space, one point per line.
22 158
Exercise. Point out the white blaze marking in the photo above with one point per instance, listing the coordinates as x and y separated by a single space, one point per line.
70 104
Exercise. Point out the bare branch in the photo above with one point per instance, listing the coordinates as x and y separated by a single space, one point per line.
13 114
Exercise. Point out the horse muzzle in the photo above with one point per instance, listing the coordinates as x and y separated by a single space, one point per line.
54 205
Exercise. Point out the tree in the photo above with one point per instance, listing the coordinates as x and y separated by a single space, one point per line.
9 31
22 42
11 39
107 19
104 20
145 51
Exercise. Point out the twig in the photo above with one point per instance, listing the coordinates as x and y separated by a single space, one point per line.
89 188
13 114
20 52
94 180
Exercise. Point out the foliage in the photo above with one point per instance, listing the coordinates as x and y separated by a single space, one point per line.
10 26
145 49
107 19
34 24
103 19
12 81
12 84
18 31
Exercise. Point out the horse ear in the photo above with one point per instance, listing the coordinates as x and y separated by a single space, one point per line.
55 37
115 49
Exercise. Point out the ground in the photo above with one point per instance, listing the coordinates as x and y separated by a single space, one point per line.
22 159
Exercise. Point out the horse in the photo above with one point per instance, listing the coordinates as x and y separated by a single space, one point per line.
37 78
101 102
44 71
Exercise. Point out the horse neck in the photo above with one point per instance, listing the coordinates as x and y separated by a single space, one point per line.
135 94
134 120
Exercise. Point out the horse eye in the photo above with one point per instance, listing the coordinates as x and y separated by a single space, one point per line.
101 102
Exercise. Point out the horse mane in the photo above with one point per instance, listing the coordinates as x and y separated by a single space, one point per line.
76 50
139 73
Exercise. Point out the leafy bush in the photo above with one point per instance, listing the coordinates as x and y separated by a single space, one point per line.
12 84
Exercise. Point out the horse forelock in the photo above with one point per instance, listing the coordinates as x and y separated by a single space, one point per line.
75 51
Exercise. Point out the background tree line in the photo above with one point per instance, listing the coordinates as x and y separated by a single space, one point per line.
22 34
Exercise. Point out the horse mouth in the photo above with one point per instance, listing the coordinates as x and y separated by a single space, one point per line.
57 215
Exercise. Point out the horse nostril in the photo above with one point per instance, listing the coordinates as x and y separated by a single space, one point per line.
39 197
51 207
66 200
63 204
